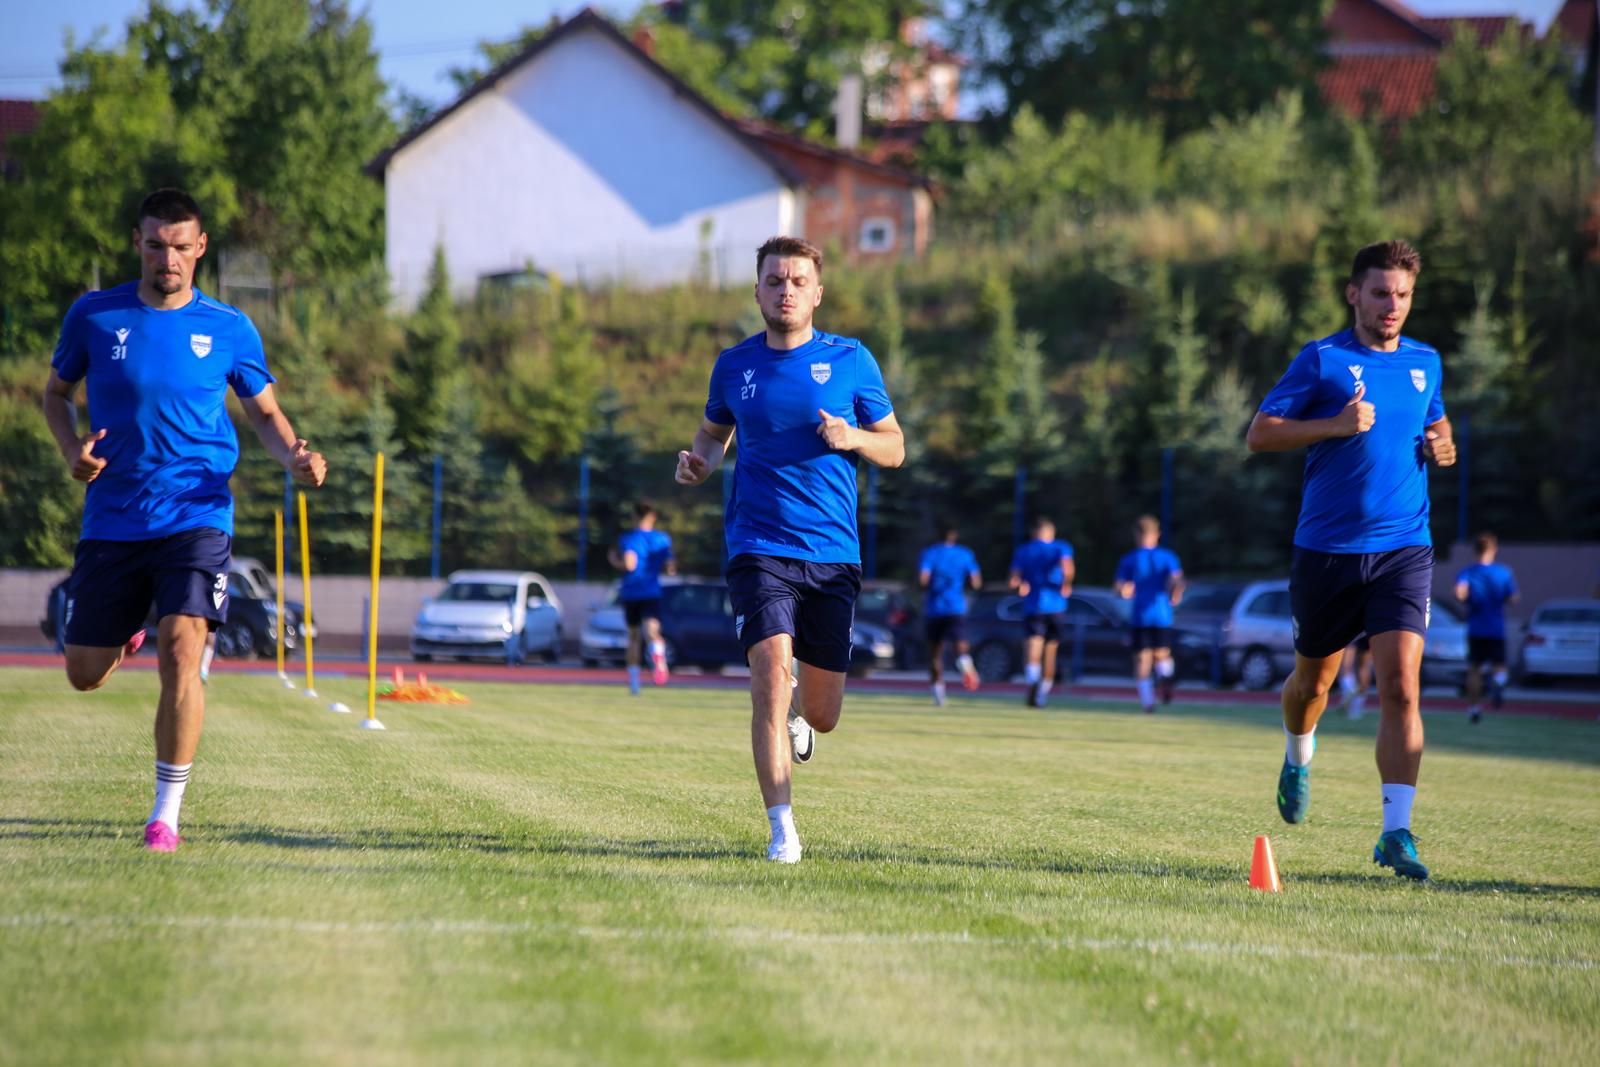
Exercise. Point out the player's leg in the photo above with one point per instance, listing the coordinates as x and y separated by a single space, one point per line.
1304 698
1475 671
1141 671
633 656
207 656
824 616
107 599
1166 670
936 660
657 647
968 669
1499 676
1047 667
1363 673
1397 620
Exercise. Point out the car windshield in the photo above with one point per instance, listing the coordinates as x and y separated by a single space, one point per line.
1208 600
1577 613
479 591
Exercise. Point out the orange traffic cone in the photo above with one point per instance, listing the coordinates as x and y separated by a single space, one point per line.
1263 868
399 677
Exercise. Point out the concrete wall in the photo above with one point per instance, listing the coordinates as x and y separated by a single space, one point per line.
585 163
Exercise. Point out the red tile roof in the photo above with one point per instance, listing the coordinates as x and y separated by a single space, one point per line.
1391 87
16 116
1576 20
1487 28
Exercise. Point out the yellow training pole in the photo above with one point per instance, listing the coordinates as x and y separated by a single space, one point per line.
305 584
371 721
277 531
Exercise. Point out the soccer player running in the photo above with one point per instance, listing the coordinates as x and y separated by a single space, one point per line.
1486 588
159 357
1355 676
643 554
946 570
1366 403
1042 571
807 405
1152 578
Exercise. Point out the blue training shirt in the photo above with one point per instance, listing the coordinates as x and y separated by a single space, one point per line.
158 385
1150 570
1039 564
653 548
948 568
1367 493
1489 586
793 496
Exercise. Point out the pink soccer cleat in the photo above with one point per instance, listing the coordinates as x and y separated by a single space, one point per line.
658 669
159 837
135 643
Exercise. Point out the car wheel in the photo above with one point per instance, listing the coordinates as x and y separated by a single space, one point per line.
1256 670
235 640
994 662
422 657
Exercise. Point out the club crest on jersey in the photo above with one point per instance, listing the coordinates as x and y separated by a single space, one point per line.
821 372
1355 371
1419 379
200 344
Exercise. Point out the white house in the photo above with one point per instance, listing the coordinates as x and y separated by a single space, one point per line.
583 157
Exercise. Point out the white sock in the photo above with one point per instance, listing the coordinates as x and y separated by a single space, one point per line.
658 649
1147 692
207 654
1164 669
964 665
781 819
1031 673
1397 806
1357 703
938 693
633 677
1044 687
1347 685
171 780
1300 747
1501 678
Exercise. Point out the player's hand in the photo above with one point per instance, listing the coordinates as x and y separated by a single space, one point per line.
86 466
1358 415
1066 589
1440 447
692 469
307 466
835 432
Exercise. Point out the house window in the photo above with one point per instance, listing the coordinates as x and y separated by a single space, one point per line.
877 234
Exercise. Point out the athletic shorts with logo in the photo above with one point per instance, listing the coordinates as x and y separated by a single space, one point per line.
942 629
814 603
1143 637
634 612
1333 597
115 583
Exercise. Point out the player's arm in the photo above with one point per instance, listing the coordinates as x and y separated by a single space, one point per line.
630 561
671 569
61 415
1274 433
1069 571
1439 443
924 577
1014 581
975 579
277 436
1175 587
879 443
1463 591
705 455
1124 589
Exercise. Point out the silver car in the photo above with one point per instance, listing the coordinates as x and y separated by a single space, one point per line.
506 615
1258 640
1562 638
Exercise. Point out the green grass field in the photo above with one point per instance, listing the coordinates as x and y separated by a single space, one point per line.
567 875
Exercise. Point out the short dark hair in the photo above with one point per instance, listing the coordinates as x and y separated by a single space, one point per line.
1040 522
1487 542
1385 255
642 508
169 205
947 530
788 246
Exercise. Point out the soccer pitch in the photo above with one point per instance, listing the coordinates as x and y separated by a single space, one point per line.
565 874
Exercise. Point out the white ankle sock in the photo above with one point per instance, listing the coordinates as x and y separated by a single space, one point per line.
1397 806
1357 703
1031 673
1147 692
171 780
1300 747
965 666
633 677
781 819
1500 679
1164 669
657 648
938 693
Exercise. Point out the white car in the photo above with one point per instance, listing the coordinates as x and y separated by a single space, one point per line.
1562 638
504 615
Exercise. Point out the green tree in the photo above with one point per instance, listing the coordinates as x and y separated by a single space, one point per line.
428 365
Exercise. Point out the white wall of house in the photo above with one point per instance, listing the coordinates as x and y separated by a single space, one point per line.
586 163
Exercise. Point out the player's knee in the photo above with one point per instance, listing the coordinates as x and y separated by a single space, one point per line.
85 677
823 719
1399 690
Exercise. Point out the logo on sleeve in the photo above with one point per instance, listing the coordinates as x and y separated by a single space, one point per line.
1419 379
1355 371
200 344
821 372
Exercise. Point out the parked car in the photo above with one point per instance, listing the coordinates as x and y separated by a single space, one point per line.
994 629
697 627
1561 638
894 607
491 614
1258 640
251 629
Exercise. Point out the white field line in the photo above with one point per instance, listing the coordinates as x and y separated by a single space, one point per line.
115 925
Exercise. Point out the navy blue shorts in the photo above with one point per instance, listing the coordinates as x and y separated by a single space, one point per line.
635 612
115 583
814 603
1334 597
1143 637
1486 651
941 629
1051 626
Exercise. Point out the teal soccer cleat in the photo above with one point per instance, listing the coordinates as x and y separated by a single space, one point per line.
1294 792
1398 849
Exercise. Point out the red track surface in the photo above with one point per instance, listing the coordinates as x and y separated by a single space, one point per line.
494 672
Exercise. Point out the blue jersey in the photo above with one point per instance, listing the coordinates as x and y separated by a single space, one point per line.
948 568
158 385
653 548
1151 571
1489 586
1039 564
1369 492
793 496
